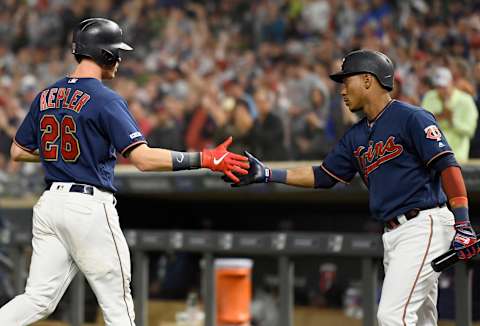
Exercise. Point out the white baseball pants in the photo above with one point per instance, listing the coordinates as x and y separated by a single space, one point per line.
410 287
72 232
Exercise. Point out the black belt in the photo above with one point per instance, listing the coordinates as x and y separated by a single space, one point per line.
83 189
395 222
399 220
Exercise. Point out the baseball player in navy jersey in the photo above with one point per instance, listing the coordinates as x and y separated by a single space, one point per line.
411 174
74 128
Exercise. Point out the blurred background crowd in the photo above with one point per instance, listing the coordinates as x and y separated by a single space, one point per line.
257 70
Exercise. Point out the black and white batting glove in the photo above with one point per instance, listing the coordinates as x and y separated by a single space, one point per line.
257 173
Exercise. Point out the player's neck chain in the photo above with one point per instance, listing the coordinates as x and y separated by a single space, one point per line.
371 123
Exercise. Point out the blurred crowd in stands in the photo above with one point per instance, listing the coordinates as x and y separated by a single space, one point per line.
256 70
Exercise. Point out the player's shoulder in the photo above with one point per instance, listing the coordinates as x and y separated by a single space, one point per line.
407 109
100 92
103 95
357 127
112 99
404 107
109 95
358 124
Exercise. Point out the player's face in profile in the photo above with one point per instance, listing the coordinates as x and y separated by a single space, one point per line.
109 72
352 92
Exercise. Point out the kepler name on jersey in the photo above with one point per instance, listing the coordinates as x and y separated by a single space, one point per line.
63 98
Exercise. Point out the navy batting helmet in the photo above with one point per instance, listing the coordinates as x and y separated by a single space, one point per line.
99 39
367 61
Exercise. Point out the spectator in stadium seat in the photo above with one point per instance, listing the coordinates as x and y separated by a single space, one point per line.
475 144
267 133
167 131
308 111
200 125
174 84
325 290
462 75
455 111
235 89
238 122
314 140
11 114
144 120
340 117
274 24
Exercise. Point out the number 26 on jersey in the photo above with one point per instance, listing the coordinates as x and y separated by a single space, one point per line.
55 134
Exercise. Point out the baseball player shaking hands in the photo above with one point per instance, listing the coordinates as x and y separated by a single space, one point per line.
74 128
411 173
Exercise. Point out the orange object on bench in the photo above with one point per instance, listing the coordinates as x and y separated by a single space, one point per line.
233 278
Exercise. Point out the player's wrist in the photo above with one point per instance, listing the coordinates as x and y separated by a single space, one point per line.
461 215
459 225
206 158
185 160
203 156
459 208
276 175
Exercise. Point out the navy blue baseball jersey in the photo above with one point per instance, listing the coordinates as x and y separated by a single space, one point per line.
392 155
78 125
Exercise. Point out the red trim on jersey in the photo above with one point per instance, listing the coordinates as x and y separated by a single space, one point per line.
438 155
419 271
133 144
333 175
23 147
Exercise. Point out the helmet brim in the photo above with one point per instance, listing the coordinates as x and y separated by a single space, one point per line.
122 46
337 77
341 75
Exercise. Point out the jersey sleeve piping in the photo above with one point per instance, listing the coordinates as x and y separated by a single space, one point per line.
333 175
438 155
132 145
23 147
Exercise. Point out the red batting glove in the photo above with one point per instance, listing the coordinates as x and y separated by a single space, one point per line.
220 159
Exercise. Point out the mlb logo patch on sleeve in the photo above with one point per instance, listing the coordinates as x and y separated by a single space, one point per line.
433 133
135 134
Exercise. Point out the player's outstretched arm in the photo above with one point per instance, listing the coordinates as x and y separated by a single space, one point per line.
259 173
147 158
217 159
20 155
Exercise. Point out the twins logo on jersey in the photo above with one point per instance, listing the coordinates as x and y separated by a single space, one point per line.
433 133
376 154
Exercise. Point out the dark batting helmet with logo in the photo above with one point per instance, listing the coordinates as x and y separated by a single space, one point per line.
99 39
367 61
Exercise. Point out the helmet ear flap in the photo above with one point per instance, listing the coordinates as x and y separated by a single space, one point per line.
109 58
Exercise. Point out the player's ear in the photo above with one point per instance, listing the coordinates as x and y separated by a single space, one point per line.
367 80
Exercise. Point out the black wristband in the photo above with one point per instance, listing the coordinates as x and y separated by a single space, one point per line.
185 160
278 175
